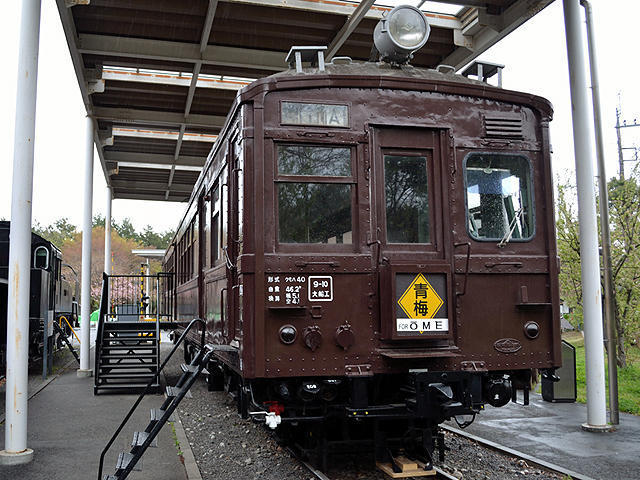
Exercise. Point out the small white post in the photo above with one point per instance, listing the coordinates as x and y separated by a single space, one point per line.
15 430
107 233
85 363
589 257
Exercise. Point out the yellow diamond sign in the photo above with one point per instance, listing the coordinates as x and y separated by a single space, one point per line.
420 300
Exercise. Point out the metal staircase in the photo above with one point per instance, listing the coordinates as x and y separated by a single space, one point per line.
127 353
131 460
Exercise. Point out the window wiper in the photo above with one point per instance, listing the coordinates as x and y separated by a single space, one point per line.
512 228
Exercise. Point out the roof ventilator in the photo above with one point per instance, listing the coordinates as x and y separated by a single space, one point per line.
483 71
306 54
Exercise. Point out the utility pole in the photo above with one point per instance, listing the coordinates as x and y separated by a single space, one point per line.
621 149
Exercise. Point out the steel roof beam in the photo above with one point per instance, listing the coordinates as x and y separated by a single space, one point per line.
152 158
489 29
138 184
204 41
171 78
162 134
339 7
154 117
107 45
71 36
347 29
151 196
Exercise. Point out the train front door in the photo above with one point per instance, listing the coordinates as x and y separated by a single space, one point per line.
413 243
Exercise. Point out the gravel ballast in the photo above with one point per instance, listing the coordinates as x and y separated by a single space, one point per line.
227 447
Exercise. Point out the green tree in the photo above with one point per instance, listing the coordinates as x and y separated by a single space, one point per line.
126 229
149 238
59 232
624 220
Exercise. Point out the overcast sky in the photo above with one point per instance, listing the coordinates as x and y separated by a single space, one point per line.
535 59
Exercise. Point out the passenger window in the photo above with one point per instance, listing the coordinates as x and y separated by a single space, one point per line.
406 199
317 208
499 197
314 161
215 222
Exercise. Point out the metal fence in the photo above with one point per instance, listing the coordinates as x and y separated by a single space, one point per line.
140 297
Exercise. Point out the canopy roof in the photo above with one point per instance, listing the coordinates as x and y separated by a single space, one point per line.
158 76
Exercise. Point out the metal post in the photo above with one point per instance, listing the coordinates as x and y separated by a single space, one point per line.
85 364
589 258
605 235
15 433
107 243
107 233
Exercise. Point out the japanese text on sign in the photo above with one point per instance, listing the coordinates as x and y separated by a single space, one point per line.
321 288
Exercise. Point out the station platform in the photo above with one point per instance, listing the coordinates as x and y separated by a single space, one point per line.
68 427
552 432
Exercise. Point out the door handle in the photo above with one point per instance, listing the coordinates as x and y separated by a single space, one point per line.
506 264
466 268
306 264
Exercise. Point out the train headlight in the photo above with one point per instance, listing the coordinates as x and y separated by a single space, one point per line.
288 334
403 31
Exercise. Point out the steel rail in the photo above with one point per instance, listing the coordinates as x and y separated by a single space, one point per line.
515 453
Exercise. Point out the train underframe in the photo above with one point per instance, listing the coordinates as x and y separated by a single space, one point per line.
387 415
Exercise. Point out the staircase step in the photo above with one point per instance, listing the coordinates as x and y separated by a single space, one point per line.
175 391
189 368
146 365
121 375
124 459
156 415
192 369
121 386
128 356
128 347
140 437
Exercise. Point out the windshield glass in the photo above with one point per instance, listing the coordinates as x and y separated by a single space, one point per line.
499 197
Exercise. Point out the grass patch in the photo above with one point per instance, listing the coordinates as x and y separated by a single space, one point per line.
175 438
628 377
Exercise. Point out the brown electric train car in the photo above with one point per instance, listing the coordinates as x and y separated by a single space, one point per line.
373 245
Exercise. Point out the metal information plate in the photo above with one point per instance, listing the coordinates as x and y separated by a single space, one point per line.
421 303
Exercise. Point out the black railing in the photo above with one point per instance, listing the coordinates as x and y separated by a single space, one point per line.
140 297
104 296
152 381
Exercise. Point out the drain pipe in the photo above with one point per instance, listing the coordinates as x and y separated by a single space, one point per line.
605 235
589 257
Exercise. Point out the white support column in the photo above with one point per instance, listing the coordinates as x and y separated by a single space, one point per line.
85 312
589 257
15 433
107 233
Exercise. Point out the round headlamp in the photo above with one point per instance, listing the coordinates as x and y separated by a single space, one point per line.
403 31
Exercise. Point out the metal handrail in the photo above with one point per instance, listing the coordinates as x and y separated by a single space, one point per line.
104 300
149 383
62 317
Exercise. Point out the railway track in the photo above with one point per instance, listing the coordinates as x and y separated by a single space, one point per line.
440 474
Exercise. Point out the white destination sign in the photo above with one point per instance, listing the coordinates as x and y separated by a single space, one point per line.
422 325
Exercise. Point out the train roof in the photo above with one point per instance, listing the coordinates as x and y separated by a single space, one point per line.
384 75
